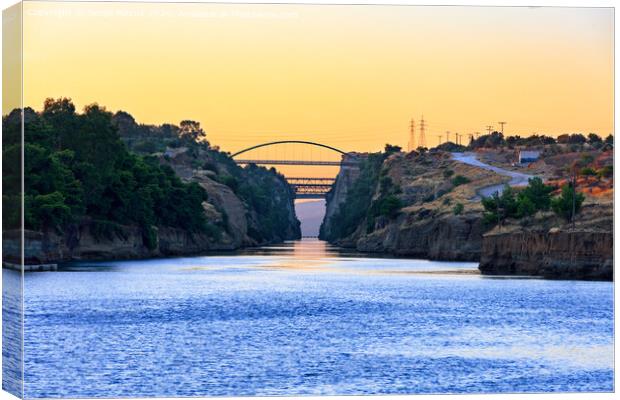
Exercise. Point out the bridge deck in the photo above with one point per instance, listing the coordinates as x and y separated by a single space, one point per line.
296 162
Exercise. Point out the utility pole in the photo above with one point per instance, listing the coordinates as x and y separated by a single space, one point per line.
457 136
572 218
447 136
471 137
477 134
439 136
502 123
489 128
411 145
422 140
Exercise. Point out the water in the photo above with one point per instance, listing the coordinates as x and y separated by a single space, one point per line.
302 318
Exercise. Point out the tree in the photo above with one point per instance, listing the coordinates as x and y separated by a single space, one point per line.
536 193
389 149
568 200
594 138
191 131
499 207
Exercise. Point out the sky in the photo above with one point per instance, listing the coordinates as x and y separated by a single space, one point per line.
348 76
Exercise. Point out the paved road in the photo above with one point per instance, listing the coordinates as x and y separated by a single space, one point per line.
516 178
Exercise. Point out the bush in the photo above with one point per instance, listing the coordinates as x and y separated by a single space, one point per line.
460 180
390 206
448 173
606 172
587 171
458 209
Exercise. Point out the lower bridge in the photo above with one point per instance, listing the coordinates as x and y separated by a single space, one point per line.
310 188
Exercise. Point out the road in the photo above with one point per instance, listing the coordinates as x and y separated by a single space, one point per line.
516 178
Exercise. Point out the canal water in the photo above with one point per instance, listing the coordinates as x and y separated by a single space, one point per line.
306 318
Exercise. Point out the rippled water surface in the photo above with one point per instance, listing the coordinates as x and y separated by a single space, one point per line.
302 318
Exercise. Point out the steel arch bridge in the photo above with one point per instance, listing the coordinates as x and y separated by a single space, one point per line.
305 187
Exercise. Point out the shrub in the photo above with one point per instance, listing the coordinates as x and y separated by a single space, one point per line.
460 180
458 209
606 172
587 171
448 173
389 206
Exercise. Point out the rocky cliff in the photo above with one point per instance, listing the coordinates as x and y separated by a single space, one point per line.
418 205
547 246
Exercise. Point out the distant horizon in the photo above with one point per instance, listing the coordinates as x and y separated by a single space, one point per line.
349 76
80 109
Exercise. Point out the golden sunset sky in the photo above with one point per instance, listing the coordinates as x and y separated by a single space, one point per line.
348 76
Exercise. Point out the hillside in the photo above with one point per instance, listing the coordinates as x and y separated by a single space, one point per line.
88 196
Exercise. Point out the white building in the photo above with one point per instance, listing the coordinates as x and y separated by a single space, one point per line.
528 156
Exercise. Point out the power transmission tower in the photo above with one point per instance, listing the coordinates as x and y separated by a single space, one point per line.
411 144
422 140
502 123
489 128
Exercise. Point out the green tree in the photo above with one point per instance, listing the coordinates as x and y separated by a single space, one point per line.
537 193
460 180
499 207
569 200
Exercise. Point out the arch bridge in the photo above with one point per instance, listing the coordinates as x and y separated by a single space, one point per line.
305 187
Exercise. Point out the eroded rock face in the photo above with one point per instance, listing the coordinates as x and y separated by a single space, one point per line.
337 196
445 237
127 243
426 226
550 254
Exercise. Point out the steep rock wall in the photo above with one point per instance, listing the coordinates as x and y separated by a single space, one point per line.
550 254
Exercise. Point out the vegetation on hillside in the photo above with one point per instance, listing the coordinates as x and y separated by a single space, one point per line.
265 192
533 198
359 202
76 166
497 139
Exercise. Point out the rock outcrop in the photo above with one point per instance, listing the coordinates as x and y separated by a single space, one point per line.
347 175
549 247
552 254
427 225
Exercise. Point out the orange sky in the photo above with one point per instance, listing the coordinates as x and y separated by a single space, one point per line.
348 76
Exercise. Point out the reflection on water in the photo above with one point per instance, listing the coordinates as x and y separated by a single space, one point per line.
307 318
